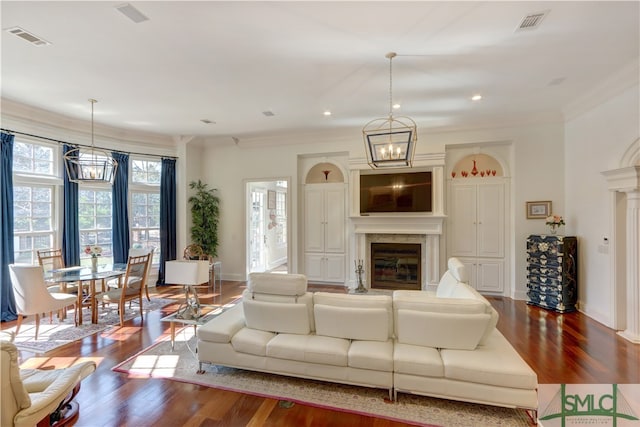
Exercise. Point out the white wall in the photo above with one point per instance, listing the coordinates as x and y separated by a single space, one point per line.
595 142
228 167
536 171
536 168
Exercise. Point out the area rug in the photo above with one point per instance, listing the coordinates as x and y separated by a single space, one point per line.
59 333
158 361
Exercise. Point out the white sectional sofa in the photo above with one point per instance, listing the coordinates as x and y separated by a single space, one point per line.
442 344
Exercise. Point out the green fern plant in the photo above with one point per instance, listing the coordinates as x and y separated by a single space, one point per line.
205 213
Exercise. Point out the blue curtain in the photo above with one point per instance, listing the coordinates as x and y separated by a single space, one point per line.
120 211
167 215
7 302
70 226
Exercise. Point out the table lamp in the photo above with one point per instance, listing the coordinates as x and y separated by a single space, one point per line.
188 273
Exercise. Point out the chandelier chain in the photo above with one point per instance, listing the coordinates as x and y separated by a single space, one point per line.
391 55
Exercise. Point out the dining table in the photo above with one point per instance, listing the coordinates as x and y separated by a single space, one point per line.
86 278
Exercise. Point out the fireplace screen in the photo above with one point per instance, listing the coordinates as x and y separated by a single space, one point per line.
396 266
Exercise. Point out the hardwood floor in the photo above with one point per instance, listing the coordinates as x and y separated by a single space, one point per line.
561 348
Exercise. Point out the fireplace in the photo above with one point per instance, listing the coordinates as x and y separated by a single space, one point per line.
396 266
418 231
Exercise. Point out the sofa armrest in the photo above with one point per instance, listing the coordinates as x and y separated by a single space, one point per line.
223 327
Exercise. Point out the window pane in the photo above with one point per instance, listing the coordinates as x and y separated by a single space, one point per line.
146 171
33 158
145 219
95 221
33 220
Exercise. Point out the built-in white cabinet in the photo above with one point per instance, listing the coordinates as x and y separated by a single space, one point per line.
324 228
476 229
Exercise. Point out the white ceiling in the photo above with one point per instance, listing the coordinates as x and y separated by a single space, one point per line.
230 61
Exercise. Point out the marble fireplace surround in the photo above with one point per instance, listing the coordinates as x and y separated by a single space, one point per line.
425 230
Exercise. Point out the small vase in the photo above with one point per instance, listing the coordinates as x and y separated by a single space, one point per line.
94 264
553 230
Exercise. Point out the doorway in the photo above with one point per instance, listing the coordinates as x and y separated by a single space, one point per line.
267 226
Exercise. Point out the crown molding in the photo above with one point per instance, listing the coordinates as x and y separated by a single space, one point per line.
28 119
614 85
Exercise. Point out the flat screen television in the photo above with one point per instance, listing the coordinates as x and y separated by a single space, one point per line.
395 192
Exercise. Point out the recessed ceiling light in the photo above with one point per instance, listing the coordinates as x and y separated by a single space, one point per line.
557 81
396 106
476 97
269 113
327 113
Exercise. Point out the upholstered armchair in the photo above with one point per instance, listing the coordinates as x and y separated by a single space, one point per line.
33 298
38 397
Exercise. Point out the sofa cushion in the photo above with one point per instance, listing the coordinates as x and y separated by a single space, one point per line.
374 355
306 299
251 341
352 322
441 330
277 284
489 309
309 348
494 363
358 301
417 360
276 317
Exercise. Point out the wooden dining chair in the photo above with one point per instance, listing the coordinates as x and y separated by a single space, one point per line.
133 286
51 259
138 252
144 251
194 252
32 297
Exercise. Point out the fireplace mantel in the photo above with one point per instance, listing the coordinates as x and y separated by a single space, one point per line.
397 224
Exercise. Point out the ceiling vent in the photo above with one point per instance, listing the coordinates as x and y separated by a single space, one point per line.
26 35
132 13
532 21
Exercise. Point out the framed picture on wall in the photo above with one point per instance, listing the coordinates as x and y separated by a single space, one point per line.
271 199
538 210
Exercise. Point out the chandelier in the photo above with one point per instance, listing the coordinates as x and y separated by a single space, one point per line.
390 141
92 165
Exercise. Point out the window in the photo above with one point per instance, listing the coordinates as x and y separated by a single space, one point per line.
34 199
145 205
281 213
33 225
94 218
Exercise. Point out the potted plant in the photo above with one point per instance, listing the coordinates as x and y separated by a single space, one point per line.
205 213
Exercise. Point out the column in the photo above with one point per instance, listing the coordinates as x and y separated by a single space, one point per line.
632 331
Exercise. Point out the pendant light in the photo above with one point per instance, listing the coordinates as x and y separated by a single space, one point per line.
390 141
90 165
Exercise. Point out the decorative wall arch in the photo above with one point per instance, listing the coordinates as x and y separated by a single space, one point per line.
477 165
323 173
631 157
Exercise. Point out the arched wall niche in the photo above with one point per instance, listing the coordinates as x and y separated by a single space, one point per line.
477 165
631 157
324 172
